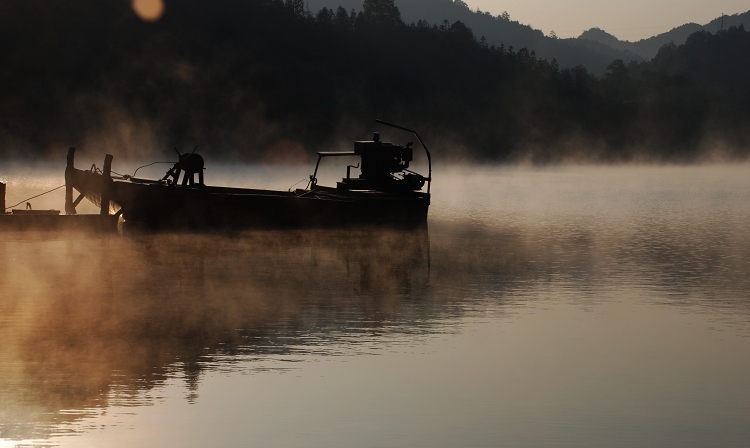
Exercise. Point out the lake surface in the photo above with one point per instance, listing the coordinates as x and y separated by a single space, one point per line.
568 306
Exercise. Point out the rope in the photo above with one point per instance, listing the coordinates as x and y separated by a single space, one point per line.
299 182
95 169
41 194
144 166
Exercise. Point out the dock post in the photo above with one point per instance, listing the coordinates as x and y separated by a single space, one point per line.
70 209
106 184
2 197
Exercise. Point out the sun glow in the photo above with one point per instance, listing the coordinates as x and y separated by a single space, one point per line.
148 10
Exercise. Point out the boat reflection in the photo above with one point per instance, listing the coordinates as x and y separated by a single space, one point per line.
88 321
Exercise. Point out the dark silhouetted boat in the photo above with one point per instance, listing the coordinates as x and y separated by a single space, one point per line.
386 193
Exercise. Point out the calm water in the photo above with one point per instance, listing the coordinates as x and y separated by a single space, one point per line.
572 306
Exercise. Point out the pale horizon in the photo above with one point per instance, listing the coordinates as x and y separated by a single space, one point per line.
632 21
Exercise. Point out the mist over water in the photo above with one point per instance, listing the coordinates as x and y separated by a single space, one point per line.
565 306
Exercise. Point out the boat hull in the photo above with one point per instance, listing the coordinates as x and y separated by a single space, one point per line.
159 206
176 206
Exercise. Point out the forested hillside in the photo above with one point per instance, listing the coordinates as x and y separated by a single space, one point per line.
500 30
647 48
240 76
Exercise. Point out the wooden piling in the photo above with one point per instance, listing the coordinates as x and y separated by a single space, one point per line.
70 208
2 197
106 184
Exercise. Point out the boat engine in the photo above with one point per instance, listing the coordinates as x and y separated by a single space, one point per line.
380 159
383 167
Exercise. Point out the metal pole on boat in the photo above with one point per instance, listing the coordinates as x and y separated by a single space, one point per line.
106 184
70 208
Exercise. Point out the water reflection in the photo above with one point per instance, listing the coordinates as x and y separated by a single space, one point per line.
88 323
88 319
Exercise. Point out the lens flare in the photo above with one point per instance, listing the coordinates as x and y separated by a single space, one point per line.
148 10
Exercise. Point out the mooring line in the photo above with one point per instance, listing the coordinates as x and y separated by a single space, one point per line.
28 199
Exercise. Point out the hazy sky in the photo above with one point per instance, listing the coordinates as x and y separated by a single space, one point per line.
626 19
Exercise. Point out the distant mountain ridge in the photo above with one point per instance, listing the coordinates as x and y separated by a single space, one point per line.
499 30
647 48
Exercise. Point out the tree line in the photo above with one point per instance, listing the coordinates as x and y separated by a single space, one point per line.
239 76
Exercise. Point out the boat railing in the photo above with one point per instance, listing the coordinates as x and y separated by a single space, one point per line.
321 154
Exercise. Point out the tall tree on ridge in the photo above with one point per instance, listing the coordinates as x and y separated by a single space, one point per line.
381 12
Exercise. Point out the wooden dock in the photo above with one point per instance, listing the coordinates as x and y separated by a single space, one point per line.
52 220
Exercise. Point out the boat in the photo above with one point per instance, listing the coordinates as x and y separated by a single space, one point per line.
385 193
